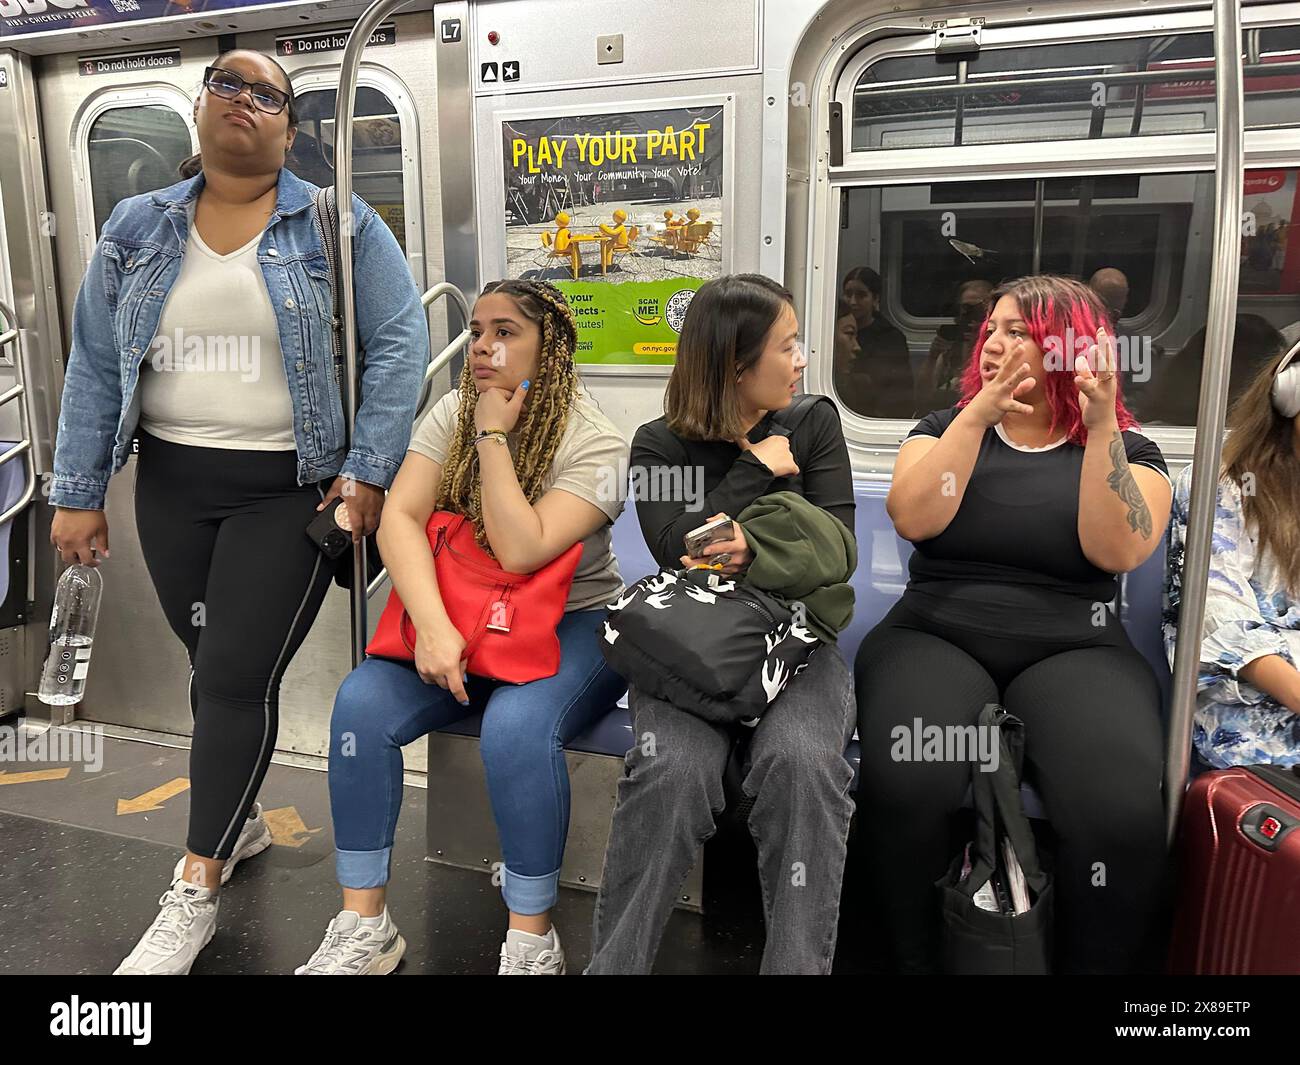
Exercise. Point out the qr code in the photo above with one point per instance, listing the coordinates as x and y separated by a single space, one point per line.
121 6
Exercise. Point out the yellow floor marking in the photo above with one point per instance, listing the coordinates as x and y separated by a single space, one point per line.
34 775
288 828
153 798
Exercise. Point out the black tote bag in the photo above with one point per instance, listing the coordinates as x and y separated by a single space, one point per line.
984 942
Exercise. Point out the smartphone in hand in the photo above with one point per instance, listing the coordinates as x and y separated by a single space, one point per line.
711 533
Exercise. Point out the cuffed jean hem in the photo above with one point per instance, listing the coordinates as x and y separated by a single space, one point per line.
362 869
529 895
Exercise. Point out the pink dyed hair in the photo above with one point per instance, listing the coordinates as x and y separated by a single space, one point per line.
1051 306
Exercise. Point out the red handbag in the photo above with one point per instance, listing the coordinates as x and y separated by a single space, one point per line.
508 620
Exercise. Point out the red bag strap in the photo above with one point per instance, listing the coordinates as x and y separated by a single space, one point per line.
443 535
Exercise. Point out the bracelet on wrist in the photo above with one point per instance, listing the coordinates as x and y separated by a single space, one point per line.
492 434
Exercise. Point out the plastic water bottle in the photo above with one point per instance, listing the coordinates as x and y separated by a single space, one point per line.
72 635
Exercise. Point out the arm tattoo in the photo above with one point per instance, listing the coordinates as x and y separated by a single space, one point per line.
1120 480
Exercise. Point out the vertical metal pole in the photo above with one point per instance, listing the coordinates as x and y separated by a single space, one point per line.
343 115
1219 330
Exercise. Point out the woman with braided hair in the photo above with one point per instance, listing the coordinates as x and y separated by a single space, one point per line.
527 459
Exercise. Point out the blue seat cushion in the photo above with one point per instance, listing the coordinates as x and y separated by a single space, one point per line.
878 582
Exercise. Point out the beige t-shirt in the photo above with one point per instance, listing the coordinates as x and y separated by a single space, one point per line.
591 463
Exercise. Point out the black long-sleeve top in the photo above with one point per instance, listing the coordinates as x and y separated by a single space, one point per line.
731 478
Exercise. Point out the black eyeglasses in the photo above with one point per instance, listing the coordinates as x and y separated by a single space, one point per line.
227 84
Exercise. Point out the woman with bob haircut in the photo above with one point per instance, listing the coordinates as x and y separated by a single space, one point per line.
738 363
1023 500
1248 702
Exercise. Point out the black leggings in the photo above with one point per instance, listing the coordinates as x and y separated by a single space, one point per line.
1093 752
240 583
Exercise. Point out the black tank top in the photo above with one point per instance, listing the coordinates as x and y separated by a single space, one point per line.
1010 561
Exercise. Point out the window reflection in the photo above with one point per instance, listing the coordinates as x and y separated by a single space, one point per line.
933 253
1109 87
132 150
377 175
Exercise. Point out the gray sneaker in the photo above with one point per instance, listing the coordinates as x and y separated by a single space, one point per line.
524 954
182 928
353 949
254 838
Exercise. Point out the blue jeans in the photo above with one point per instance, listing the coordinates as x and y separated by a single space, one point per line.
384 705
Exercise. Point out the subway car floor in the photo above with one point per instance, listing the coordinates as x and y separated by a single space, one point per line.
87 855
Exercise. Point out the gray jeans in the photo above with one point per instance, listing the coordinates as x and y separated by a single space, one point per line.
671 794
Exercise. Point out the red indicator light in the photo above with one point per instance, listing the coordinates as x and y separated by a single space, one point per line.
493 37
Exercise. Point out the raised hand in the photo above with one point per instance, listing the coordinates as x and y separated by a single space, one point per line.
1001 393
1097 390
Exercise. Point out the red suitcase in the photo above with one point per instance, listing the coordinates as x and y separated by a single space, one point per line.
1239 911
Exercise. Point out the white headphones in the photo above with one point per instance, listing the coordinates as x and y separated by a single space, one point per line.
1286 385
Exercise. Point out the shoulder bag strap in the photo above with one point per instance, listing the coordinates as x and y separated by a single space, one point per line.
327 224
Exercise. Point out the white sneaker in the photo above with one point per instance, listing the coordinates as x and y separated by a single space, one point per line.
524 954
351 948
254 838
182 929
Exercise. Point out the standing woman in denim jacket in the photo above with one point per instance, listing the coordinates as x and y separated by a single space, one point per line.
204 319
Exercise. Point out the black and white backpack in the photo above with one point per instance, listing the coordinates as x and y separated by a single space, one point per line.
714 646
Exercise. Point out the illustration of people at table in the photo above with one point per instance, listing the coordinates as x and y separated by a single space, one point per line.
618 238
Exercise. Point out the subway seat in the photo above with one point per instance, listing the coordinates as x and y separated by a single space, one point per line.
878 582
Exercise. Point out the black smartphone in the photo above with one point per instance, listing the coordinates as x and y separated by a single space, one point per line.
331 529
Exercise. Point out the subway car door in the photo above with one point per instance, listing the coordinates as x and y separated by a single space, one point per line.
127 136
121 133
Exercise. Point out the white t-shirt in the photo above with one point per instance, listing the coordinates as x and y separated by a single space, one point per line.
590 463
214 374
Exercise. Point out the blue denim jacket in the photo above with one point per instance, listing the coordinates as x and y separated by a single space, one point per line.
135 264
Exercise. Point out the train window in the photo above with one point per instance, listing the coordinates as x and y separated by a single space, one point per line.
376 150
1268 298
915 261
1272 76
1116 87
133 150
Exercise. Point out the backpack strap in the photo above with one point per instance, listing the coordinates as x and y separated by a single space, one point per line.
327 222
788 419
326 216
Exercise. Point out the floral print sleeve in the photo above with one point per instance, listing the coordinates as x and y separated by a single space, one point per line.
1248 614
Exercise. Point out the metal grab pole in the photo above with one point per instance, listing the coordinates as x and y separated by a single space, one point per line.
1219 330
343 114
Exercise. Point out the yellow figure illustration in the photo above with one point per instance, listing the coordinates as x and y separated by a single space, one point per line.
615 238
561 244
673 228
695 234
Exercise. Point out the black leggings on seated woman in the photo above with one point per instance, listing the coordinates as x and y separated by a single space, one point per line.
1093 752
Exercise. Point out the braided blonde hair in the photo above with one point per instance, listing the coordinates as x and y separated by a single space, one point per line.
551 396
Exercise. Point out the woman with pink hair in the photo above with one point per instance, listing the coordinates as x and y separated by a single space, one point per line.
1024 501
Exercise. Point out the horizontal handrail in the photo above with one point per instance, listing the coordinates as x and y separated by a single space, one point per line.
13 452
24 445
446 288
